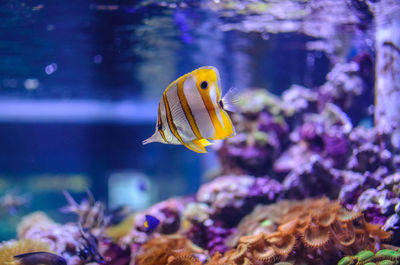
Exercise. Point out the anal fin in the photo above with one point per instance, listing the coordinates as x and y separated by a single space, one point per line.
198 145
201 144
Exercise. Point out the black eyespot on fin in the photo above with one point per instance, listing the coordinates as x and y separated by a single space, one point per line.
221 103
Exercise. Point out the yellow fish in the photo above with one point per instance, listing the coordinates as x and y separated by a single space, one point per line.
191 111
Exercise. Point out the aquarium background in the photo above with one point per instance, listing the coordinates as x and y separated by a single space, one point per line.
80 84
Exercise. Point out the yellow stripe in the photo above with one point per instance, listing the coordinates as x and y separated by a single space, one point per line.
186 109
219 130
211 77
159 124
172 126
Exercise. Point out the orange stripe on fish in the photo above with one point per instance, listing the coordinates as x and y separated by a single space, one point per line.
186 109
160 125
170 122
210 76
173 129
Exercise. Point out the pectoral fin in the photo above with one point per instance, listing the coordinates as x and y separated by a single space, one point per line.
230 101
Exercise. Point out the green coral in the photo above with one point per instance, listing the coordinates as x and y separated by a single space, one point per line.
366 257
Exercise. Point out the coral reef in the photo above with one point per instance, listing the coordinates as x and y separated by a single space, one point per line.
169 250
231 197
262 131
382 257
302 230
11 248
318 150
62 239
168 212
91 213
221 204
306 180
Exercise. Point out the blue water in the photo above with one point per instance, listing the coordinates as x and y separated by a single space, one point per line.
80 82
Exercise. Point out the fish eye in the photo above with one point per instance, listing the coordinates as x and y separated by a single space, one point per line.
204 85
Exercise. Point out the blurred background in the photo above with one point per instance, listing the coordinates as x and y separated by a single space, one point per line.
80 84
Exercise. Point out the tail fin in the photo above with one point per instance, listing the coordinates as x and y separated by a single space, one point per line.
231 99
156 137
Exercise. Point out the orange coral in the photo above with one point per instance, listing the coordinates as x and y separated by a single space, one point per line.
169 250
312 230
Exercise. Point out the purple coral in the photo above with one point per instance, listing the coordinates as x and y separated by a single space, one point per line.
231 197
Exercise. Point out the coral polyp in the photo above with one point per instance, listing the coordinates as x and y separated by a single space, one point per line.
303 229
364 257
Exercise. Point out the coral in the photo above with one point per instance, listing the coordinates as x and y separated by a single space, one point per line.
300 98
11 248
91 213
232 197
263 219
343 84
305 228
382 204
169 250
118 231
371 149
114 254
61 238
382 257
169 213
210 235
261 131
312 174
39 220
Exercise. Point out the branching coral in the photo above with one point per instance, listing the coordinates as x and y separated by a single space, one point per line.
91 213
169 250
304 230
12 248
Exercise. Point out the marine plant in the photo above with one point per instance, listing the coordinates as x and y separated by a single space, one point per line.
311 231
12 248
364 257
